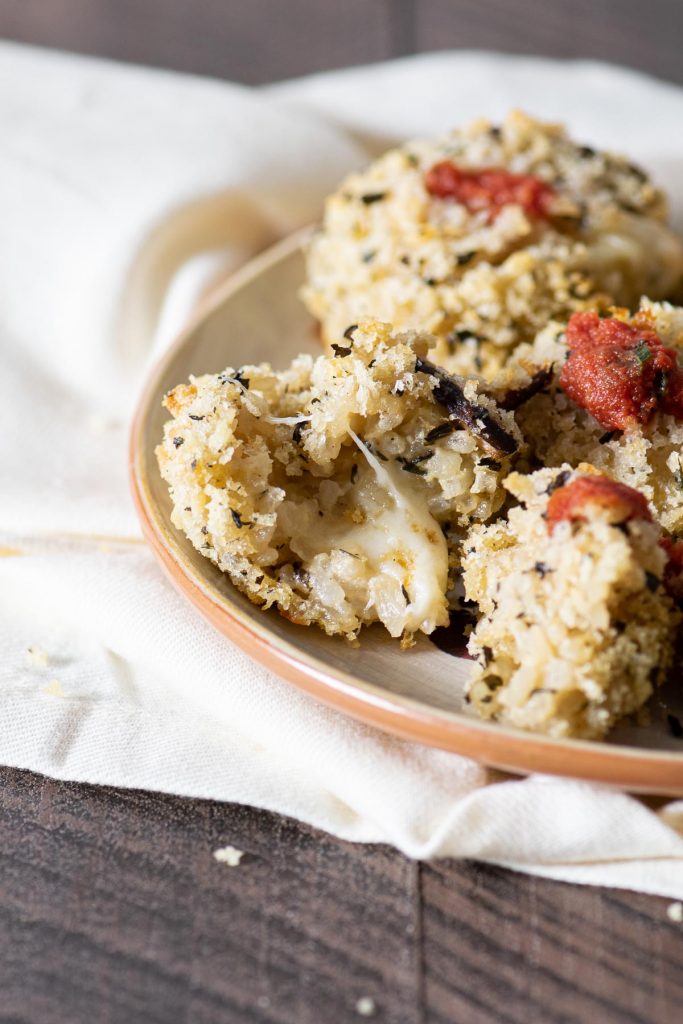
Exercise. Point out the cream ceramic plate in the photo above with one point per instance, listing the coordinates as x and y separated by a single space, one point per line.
418 694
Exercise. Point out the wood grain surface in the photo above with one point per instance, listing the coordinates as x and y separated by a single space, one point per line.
265 40
113 910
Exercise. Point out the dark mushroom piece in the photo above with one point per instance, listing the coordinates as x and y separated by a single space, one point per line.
518 396
479 420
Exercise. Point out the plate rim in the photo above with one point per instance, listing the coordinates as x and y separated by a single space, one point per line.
491 744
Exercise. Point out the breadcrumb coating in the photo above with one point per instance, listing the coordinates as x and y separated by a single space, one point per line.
575 626
647 456
390 249
326 490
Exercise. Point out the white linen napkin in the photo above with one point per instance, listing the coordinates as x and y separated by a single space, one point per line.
111 180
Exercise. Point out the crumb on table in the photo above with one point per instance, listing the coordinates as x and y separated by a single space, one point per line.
675 912
229 855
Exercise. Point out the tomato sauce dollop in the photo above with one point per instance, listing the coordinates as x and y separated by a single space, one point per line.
489 188
580 500
620 373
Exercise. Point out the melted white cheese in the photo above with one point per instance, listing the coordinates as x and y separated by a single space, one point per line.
405 542
645 251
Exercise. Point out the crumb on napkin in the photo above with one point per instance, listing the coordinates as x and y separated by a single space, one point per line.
54 689
36 657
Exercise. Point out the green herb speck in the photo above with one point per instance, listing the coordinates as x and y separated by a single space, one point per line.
642 352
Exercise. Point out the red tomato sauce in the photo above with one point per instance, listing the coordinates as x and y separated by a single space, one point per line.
489 188
620 373
589 497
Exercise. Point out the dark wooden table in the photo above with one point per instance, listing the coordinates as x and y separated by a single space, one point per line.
264 40
112 907
113 910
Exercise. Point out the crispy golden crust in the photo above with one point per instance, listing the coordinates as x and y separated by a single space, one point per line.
325 490
388 249
575 628
647 457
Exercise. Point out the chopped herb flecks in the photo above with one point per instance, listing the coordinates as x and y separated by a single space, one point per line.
559 481
492 682
340 350
660 384
372 197
235 378
642 352
413 465
542 569
442 430
651 581
177 441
